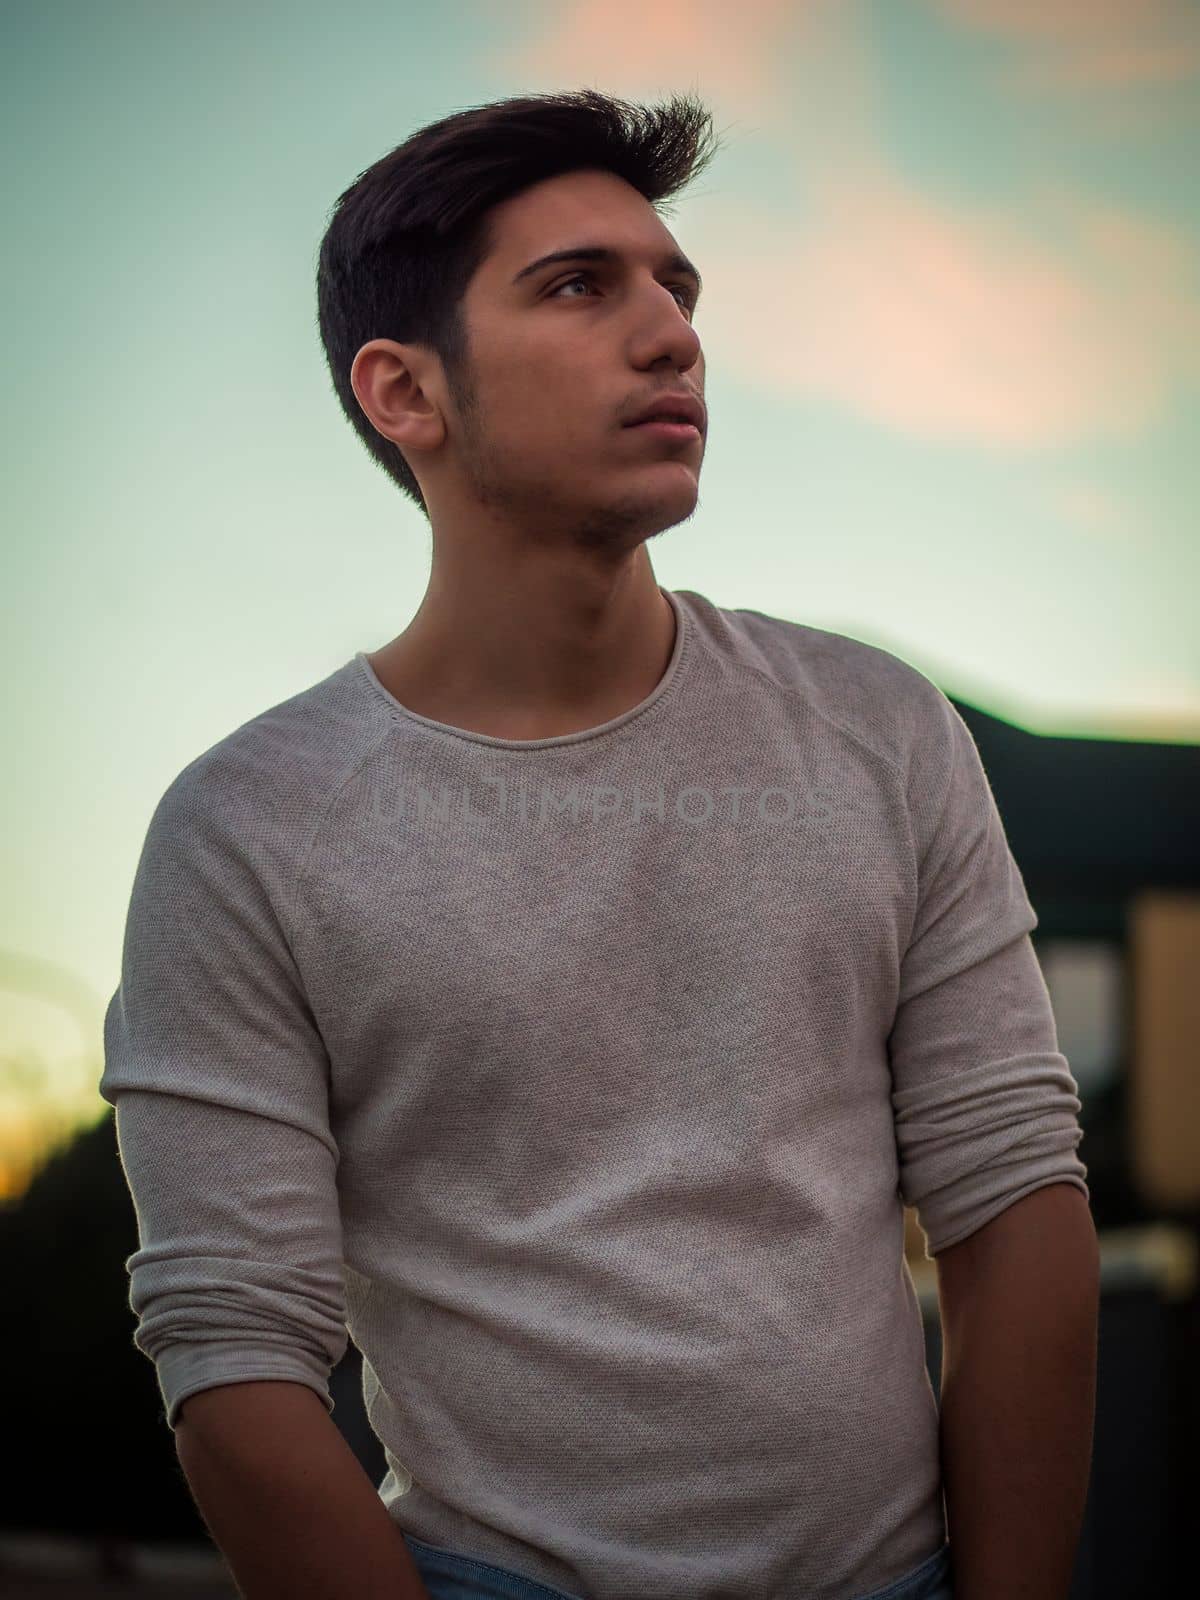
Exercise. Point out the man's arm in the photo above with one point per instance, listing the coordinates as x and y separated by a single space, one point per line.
286 1500
1020 1311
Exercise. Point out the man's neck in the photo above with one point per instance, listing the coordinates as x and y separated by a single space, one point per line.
516 674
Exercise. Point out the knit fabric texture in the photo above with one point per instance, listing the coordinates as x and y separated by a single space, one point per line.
582 1081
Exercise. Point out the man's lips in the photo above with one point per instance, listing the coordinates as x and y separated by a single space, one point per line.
683 431
674 405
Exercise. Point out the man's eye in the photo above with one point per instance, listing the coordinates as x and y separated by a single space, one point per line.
578 278
586 277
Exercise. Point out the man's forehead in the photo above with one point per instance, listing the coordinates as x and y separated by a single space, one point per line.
576 207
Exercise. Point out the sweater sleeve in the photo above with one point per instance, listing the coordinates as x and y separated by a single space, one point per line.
219 1079
985 1107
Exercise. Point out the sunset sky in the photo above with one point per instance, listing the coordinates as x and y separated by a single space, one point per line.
951 320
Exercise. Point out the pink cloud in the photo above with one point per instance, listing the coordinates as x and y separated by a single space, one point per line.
1094 512
1100 44
952 324
601 41
773 63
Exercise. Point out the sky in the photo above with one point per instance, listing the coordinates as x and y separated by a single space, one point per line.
951 323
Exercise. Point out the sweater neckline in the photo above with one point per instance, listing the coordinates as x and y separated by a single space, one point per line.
601 730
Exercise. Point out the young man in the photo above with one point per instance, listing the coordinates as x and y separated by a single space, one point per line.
567 996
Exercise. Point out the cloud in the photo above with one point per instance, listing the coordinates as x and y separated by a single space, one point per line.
1094 511
957 324
638 43
1089 44
773 61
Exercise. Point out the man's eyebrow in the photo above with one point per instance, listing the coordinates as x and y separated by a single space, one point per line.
674 262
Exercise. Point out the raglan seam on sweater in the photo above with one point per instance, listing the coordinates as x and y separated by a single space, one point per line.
849 732
305 858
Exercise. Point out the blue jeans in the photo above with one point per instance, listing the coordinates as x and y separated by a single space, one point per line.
449 1576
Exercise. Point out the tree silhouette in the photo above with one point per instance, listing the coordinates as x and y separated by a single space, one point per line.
87 1442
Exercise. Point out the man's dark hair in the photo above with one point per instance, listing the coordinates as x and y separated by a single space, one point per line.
407 236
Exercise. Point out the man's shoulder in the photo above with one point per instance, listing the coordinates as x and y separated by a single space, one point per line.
275 773
868 690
